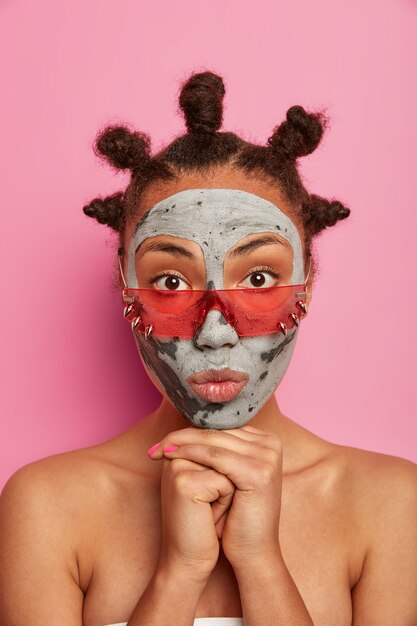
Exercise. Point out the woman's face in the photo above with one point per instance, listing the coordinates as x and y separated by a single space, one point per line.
218 231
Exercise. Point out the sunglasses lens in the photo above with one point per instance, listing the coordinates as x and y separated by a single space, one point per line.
178 313
265 300
169 302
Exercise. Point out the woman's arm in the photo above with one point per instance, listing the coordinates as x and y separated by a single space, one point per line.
171 597
38 574
269 595
386 592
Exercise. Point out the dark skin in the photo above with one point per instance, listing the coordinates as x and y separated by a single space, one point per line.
347 531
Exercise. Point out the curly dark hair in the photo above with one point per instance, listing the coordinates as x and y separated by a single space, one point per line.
203 146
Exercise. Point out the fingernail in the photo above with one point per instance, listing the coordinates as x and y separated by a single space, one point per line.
170 448
153 449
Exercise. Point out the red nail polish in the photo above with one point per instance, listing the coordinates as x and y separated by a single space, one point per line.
170 448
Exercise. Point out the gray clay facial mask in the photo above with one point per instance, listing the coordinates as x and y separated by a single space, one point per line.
217 219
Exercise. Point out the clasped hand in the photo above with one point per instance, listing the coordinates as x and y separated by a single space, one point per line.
221 484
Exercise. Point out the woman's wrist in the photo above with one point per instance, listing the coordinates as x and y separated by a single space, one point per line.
164 601
185 573
246 563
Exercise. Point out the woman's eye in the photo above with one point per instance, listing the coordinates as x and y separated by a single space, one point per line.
169 281
260 279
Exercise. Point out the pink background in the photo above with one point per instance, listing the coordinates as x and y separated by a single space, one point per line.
70 373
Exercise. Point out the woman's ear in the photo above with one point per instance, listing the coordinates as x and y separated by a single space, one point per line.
309 282
309 292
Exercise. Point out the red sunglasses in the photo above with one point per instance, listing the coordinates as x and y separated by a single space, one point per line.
179 313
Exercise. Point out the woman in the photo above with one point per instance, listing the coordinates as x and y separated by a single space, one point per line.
216 505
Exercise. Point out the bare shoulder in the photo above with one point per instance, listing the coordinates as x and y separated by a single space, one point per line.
371 483
50 510
61 484
381 493
372 477
40 519
362 476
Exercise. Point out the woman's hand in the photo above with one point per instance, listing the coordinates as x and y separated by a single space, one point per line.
191 527
252 460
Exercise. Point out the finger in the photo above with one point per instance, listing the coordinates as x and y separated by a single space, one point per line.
252 429
219 507
205 487
247 473
249 435
244 443
219 525
185 465
222 504
261 437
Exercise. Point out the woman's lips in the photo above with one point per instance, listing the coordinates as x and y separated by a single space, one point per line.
218 391
218 385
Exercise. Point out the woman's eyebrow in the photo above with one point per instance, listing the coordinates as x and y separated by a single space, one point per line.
170 248
266 240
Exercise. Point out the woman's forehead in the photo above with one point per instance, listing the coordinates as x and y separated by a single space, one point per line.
216 219
227 213
225 177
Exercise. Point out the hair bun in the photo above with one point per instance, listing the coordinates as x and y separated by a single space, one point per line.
201 101
299 135
108 210
124 149
323 213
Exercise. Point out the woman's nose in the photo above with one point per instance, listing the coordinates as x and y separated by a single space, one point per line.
215 332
